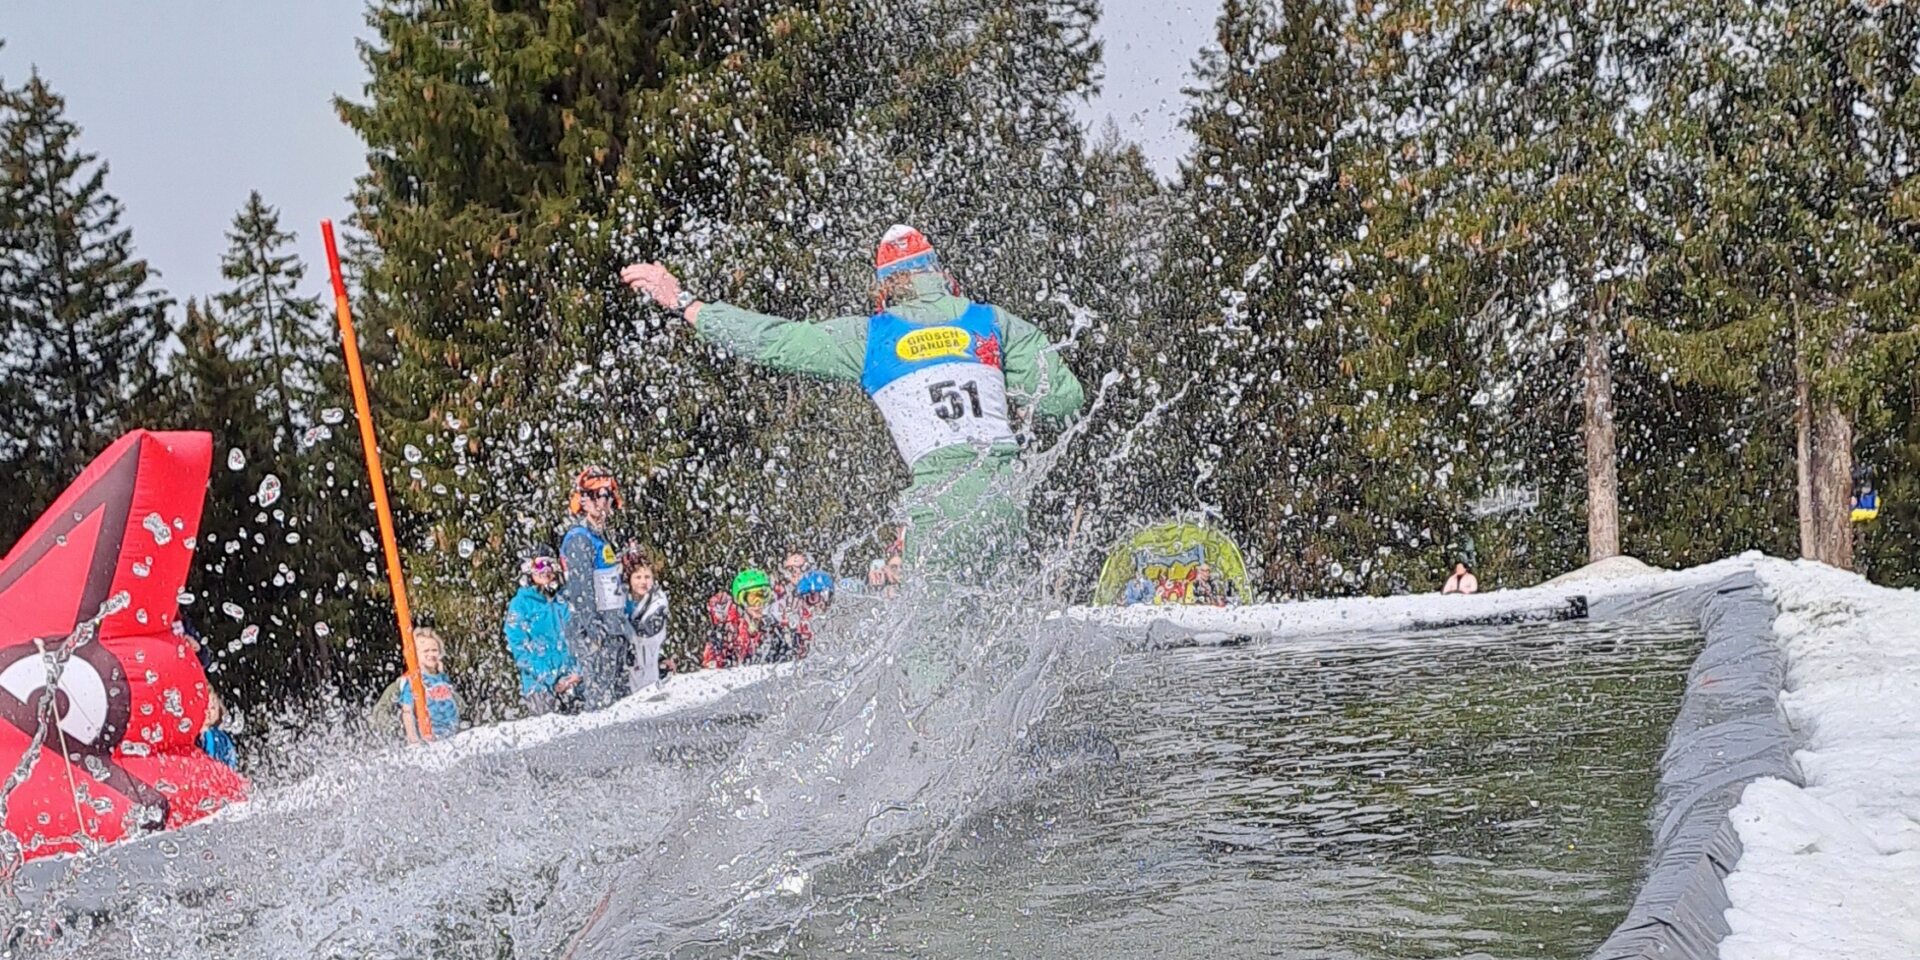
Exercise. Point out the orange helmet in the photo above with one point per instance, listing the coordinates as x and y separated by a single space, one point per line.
594 479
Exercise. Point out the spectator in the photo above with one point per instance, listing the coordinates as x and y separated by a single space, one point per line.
1462 581
443 712
812 594
1171 591
598 632
877 577
536 630
1139 590
184 628
740 622
647 611
795 566
1209 589
215 741
893 571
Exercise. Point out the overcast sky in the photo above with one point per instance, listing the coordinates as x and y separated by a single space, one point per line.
193 103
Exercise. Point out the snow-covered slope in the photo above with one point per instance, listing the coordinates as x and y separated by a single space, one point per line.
1832 869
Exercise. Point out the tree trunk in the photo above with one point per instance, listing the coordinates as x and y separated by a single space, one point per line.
1603 479
1803 456
1832 482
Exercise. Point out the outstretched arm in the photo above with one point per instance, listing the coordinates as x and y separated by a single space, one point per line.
1037 378
835 350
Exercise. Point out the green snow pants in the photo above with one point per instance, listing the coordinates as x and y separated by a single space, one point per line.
966 516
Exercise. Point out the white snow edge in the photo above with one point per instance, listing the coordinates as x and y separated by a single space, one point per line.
1831 869
1376 613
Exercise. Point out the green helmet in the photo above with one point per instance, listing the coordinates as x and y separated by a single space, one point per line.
746 580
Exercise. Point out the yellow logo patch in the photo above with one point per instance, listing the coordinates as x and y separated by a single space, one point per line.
607 555
933 342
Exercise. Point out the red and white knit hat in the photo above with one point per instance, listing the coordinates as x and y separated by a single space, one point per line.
903 250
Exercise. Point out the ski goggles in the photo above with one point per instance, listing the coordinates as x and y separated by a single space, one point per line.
755 596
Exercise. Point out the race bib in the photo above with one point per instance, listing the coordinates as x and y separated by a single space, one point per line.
945 405
607 592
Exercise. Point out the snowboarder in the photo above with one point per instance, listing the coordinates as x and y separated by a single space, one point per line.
950 377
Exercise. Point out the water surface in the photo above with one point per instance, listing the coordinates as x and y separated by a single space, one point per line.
1468 793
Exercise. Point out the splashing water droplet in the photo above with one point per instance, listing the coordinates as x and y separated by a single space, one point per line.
322 630
465 547
236 460
232 609
162 534
412 453
367 542
143 568
269 492
185 598
250 634
333 415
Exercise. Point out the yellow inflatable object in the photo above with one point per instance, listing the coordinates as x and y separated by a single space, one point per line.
1169 555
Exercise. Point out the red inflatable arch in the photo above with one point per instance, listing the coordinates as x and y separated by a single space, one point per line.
117 749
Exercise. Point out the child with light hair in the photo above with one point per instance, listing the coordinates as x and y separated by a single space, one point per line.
443 711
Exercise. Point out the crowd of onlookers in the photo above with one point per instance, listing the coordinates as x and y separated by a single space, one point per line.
588 625
1202 587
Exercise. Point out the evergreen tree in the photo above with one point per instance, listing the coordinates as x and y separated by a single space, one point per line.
281 328
1268 418
1797 262
83 321
280 590
521 152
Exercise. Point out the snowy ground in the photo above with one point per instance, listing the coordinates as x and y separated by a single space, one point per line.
1384 613
680 692
1832 869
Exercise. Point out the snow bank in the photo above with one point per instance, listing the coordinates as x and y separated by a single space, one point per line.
1613 568
1832 869
1413 610
679 693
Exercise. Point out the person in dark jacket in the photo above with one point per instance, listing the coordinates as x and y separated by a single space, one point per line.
595 591
536 631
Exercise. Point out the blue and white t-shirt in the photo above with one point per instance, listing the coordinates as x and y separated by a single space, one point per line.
938 385
442 710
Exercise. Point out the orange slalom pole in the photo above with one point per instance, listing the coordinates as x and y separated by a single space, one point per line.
363 409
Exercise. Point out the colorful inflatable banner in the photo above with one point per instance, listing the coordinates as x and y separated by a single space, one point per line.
104 723
1168 556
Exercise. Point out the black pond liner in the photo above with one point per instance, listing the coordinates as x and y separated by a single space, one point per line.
1729 732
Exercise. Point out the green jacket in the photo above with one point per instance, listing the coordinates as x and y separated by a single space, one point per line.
1038 381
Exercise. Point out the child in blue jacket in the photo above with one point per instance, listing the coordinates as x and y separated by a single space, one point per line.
536 636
